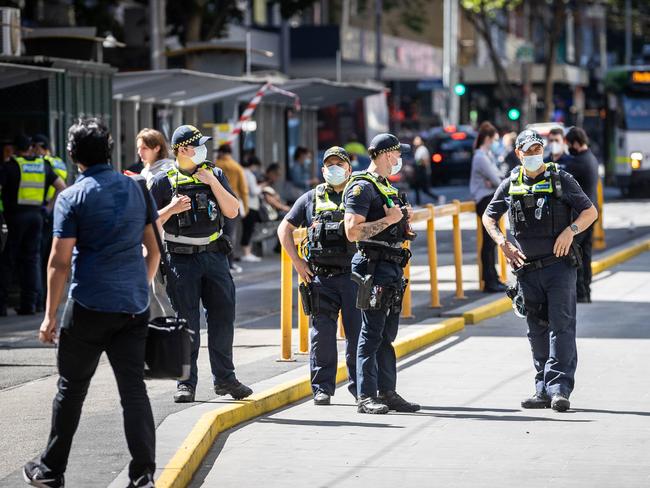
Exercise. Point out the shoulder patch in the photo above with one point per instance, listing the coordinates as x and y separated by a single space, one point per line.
356 190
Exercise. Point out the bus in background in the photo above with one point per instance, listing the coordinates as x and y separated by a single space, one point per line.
628 127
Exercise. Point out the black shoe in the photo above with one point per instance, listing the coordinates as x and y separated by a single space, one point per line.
234 388
3 310
538 400
321 398
34 476
184 394
560 403
144 481
397 403
584 299
497 287
371 405
25 311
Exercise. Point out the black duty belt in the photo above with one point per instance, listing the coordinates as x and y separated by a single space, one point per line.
540 263
328 271
178 248
399 256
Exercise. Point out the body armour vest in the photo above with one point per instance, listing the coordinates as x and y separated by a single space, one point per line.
31 191
398 232
327 245
537 210
204 221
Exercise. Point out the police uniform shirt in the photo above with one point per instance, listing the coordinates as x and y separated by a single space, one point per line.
572 195
162 190
362 198
302 212
10 182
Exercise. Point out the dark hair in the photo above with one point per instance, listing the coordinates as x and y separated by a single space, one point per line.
224 149
251 161
576 134
272 167
153 138
485 130
556 131
89 142
300 150
22 142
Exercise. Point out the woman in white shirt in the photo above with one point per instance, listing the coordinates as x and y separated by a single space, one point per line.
253 216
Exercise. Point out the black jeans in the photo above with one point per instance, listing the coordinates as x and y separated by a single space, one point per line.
252 218
81 344
490 276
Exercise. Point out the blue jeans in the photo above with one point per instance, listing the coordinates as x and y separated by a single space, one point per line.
553 343
376 361
205 277
331 295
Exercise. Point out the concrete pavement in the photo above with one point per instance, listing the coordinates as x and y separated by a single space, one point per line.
471 431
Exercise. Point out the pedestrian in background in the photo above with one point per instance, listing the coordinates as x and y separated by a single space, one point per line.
100 225
557 150
583 166
253 216
153 152
422 179
483 182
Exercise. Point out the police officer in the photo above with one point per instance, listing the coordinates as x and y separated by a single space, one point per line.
327 287
540 200
42 149
197 251
377 219
25 182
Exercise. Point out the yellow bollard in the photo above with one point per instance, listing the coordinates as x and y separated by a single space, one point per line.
458 250
432 248
303 327
503 263
407 312
479 248
599 231
341 329
286 312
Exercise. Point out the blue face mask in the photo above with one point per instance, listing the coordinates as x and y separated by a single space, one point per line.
496 147
396 168
335 175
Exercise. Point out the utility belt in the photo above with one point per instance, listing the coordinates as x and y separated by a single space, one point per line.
387 298
222 245
329 271
574 259
397 255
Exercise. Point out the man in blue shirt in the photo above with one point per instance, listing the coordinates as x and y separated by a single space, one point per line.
100 225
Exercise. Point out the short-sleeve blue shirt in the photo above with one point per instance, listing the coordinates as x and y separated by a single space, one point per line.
106 213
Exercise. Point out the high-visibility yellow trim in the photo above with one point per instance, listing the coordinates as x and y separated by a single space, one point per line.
31 190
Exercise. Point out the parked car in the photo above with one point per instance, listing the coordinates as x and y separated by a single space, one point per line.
451 151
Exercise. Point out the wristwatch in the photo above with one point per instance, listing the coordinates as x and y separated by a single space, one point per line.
574 228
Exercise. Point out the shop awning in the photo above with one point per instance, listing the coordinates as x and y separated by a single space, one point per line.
18 74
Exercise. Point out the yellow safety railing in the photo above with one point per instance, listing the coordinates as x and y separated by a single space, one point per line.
599 230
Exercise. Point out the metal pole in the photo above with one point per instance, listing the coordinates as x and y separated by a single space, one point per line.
432 250
286 305
248 53
378 66
157 34
450 54
338 65
458 250
407 311
628 32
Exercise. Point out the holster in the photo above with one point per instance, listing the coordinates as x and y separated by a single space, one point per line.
306 298
365 289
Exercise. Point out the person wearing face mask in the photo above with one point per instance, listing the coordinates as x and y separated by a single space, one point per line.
197 252
483 181
556 147
377 219
541 201
325 270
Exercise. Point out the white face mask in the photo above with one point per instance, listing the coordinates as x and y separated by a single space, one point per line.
533 163
200 154
556 148
335 175
396 168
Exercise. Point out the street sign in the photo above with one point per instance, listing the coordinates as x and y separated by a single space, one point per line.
525 53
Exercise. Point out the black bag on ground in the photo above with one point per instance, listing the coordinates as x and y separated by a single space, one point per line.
169 348
169 340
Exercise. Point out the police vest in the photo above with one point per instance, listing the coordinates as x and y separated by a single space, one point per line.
398 232
203 223
537 210
60 169
327 246
31 190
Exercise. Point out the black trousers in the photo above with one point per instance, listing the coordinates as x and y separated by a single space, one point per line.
81 344
252 218
583 283
490 276
422 184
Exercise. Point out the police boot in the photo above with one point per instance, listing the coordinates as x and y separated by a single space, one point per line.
560 403
321 398
538 400
397 403
184 394
371 405
234 388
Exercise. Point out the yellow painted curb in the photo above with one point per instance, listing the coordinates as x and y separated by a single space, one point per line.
619 257
487 311
179 470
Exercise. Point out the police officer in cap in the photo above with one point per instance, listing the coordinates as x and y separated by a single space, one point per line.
377 219
197 250
540 199
327 287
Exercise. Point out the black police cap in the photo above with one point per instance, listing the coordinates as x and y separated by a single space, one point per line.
188 135
337 151
383 143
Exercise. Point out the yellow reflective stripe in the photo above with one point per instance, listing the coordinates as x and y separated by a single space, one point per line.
325 204
31 190
386 190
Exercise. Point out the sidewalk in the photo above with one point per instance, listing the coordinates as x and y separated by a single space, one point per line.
471 431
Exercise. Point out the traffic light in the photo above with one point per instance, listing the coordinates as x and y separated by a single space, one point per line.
514 114
460 89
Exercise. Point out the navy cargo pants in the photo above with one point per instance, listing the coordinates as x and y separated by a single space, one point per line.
553 342
205 277
331 294
376 361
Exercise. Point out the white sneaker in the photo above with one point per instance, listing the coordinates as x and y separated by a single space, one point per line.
250 258
235 268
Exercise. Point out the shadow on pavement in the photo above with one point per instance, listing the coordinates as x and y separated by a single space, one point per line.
327 423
